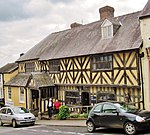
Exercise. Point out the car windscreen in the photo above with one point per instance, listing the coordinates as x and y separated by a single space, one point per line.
20 110
127 108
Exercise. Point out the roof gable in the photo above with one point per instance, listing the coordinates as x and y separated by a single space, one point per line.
106 23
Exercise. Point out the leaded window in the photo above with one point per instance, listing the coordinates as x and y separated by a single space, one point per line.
54 66
102 62
30 67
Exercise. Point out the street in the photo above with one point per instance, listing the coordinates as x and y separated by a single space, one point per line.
56 130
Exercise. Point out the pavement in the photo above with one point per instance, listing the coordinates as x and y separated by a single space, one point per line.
69 122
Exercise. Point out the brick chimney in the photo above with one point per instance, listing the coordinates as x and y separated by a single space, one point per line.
73 25
106 12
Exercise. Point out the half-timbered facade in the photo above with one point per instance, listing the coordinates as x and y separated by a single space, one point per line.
90 63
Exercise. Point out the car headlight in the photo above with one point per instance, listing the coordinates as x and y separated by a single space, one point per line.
139 119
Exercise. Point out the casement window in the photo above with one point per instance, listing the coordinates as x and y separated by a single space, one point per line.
102 62
21 95
30 67
9 93
107 32
107 29
54 66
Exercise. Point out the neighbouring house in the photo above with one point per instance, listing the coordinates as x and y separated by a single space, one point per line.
6 73
87 64
144 19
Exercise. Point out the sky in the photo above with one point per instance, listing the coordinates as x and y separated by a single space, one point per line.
24 23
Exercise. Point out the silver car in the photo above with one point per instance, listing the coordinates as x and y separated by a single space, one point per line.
16 116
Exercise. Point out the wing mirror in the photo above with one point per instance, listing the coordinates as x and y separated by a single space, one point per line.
115 111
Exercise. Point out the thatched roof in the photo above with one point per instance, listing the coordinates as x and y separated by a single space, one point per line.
87 39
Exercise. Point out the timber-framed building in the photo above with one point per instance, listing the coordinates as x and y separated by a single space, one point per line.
84 65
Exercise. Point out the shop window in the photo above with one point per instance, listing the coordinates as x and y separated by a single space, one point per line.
72 98
105 97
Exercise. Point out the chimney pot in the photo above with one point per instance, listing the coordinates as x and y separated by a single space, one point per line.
73 25
106 12
21 54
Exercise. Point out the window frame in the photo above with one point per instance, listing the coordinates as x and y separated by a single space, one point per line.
107 29
102 62
21 95
72 97
9 94
54 66
30 67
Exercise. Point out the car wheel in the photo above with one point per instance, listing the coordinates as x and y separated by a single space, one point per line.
1 123
90 126
14 124
130 128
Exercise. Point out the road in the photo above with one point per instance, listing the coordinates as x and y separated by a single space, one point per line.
56 130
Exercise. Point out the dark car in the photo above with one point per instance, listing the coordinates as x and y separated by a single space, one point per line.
118 115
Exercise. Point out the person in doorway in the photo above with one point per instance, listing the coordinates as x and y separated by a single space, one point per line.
56 106
128 98
50 107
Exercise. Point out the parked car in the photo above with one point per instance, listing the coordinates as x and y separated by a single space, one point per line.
16 116
118 115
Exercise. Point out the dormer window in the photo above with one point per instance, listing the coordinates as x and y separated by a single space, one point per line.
107 29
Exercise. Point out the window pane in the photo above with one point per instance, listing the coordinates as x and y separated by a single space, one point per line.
98 108
30 67
102 62
9 93
21 94
54 65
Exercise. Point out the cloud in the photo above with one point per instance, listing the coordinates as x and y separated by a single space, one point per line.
11 10
24 23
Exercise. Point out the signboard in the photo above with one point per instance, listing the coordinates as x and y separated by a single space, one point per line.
9 103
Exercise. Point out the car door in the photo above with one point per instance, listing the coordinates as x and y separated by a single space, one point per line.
3 115
96 114
9 116
111 116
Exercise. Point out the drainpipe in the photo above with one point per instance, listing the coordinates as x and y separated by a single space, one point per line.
142 83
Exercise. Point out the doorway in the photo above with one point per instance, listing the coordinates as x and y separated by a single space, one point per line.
85 98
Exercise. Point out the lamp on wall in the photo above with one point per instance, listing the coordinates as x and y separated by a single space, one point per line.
141 55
